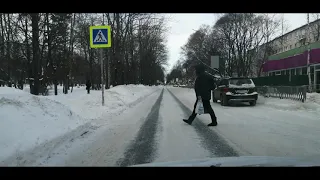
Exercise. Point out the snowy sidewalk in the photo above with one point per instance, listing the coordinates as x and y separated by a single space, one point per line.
27 121
312 103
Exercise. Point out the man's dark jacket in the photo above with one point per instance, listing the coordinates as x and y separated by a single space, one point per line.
203 86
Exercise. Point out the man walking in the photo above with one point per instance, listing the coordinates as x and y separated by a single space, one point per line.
203 85
88 86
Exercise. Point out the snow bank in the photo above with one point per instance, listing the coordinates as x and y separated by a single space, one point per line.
313 97
312 103
27 120
90 105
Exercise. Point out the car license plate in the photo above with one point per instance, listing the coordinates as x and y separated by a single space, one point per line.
241 91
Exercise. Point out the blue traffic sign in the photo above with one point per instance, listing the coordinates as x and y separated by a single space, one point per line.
100 37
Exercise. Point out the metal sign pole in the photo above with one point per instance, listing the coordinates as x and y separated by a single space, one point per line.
100 37
102 80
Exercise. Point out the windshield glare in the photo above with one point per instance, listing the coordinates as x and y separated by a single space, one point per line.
240 81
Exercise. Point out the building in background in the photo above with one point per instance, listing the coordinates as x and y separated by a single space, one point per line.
288 53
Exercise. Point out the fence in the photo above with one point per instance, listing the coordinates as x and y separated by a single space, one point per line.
298 93
281 80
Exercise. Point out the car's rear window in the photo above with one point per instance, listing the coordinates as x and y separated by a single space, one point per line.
240 81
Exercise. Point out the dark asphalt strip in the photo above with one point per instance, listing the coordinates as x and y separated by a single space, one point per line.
143 148
210 140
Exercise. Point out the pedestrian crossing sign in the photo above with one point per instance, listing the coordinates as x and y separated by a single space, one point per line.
100 36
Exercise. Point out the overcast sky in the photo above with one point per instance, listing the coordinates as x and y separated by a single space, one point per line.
182 25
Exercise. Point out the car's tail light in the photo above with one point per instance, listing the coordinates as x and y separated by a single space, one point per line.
225 89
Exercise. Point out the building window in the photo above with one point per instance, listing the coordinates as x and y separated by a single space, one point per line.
283 72
298 71
287 72
278 73
273 73
293 72
304 71
314 72
290 46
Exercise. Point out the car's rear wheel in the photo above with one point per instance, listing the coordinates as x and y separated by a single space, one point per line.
214 99
253 103
223 100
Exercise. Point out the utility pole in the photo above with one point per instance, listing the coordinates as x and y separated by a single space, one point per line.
282 32
308 59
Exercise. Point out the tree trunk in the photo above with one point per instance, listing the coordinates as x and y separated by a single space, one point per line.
2 43
71 51
28 52
8 55
35 49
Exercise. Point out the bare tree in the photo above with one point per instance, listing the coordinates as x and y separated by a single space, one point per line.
35 51
315 28
240 40
54 48
272 24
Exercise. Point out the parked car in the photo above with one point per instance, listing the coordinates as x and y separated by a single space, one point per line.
235 90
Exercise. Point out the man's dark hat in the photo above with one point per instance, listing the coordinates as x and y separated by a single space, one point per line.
199 68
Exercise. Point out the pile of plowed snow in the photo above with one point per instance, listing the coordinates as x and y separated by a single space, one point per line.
312 103
27 120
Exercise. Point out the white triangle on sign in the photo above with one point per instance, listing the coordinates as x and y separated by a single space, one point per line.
100 37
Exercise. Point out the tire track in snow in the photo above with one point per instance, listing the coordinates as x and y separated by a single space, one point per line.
211 140
143 148
177 142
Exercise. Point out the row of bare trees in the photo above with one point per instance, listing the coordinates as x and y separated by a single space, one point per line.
241 40
53 48
235 38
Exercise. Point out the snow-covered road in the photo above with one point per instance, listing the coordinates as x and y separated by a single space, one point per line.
263 130
243 130
152 130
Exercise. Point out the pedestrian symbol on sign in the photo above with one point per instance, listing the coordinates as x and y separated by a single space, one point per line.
100 37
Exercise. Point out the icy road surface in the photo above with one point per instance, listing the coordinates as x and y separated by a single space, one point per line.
264 129
153 131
